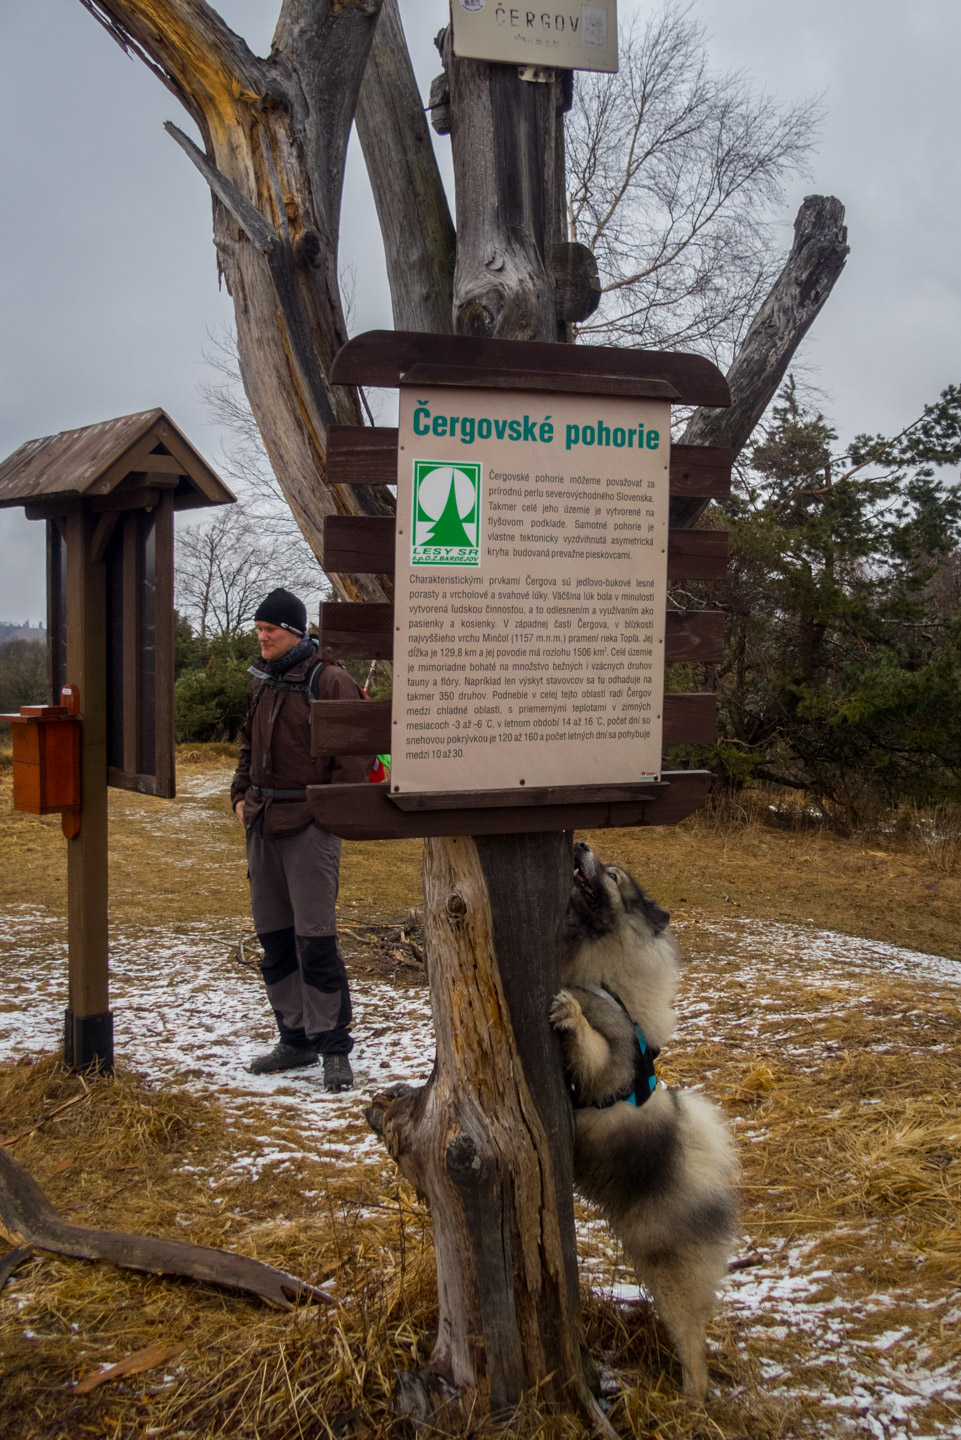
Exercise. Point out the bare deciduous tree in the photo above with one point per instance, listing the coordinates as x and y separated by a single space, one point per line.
675 174
23 674
226 564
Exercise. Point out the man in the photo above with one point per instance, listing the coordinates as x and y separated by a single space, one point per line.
293 866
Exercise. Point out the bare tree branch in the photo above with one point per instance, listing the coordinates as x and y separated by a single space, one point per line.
797 297
275 133
412 207
189 48
675 174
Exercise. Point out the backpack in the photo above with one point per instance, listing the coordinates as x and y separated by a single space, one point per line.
380 765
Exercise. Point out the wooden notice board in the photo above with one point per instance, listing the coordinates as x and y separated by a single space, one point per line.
107 493
531 589
556 380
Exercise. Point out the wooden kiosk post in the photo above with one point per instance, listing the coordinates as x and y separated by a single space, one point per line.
107 493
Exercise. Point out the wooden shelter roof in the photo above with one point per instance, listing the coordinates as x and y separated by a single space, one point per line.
97 459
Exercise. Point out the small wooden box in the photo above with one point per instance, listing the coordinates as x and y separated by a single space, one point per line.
46 759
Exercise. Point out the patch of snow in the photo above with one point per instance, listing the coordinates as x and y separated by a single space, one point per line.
186 1013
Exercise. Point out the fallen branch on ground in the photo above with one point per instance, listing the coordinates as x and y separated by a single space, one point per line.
12 1261
28 1215
147 1359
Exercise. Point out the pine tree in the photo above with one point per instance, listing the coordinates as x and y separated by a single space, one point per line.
842 675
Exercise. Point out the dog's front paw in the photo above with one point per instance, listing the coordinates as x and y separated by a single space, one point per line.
565 1011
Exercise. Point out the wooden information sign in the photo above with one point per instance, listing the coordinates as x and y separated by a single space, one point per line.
540 781
531 589
568 35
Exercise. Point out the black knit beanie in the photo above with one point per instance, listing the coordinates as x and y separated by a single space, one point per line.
283 609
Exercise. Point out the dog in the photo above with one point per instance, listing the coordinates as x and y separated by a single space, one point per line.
659 1163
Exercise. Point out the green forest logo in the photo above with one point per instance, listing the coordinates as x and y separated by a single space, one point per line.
447 506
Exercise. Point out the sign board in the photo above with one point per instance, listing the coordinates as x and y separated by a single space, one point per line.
138 574
531 589
563 35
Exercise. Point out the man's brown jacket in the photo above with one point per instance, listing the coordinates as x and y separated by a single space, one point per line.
275 748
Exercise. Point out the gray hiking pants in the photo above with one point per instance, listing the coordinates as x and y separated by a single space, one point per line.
293 896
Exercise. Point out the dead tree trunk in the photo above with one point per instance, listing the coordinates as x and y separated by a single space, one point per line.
488 1141
418 234
795 300
275 137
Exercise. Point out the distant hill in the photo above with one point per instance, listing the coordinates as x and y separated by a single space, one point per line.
22 630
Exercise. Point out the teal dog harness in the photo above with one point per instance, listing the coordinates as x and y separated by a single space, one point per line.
644 1081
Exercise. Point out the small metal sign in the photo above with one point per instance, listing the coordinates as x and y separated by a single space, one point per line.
531 589
562 34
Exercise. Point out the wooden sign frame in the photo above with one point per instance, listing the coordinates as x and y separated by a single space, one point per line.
107 493
138 560
366 545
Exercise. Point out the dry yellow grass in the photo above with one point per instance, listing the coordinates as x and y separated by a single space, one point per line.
842 1099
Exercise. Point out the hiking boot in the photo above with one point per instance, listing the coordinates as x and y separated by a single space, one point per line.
337 1073
282 1057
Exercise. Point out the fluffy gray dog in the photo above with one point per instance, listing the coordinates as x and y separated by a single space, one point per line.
659 1163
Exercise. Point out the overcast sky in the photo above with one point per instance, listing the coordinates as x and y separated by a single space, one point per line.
108 285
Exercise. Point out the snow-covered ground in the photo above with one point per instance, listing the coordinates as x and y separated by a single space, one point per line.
188 1013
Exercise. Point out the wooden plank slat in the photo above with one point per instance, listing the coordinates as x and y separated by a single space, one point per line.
359 455
349 727
50 509
687 791
696 635
358 631
523 797
162 465
689 635
363 727
696 555
362 455
381 357
141 497
538 381
365 812
690 719
359 544
701 471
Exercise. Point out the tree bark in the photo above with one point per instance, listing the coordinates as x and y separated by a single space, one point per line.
504 140
415 220
488 1140
275 136
796 299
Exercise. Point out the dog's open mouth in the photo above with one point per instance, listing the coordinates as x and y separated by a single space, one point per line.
584 889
